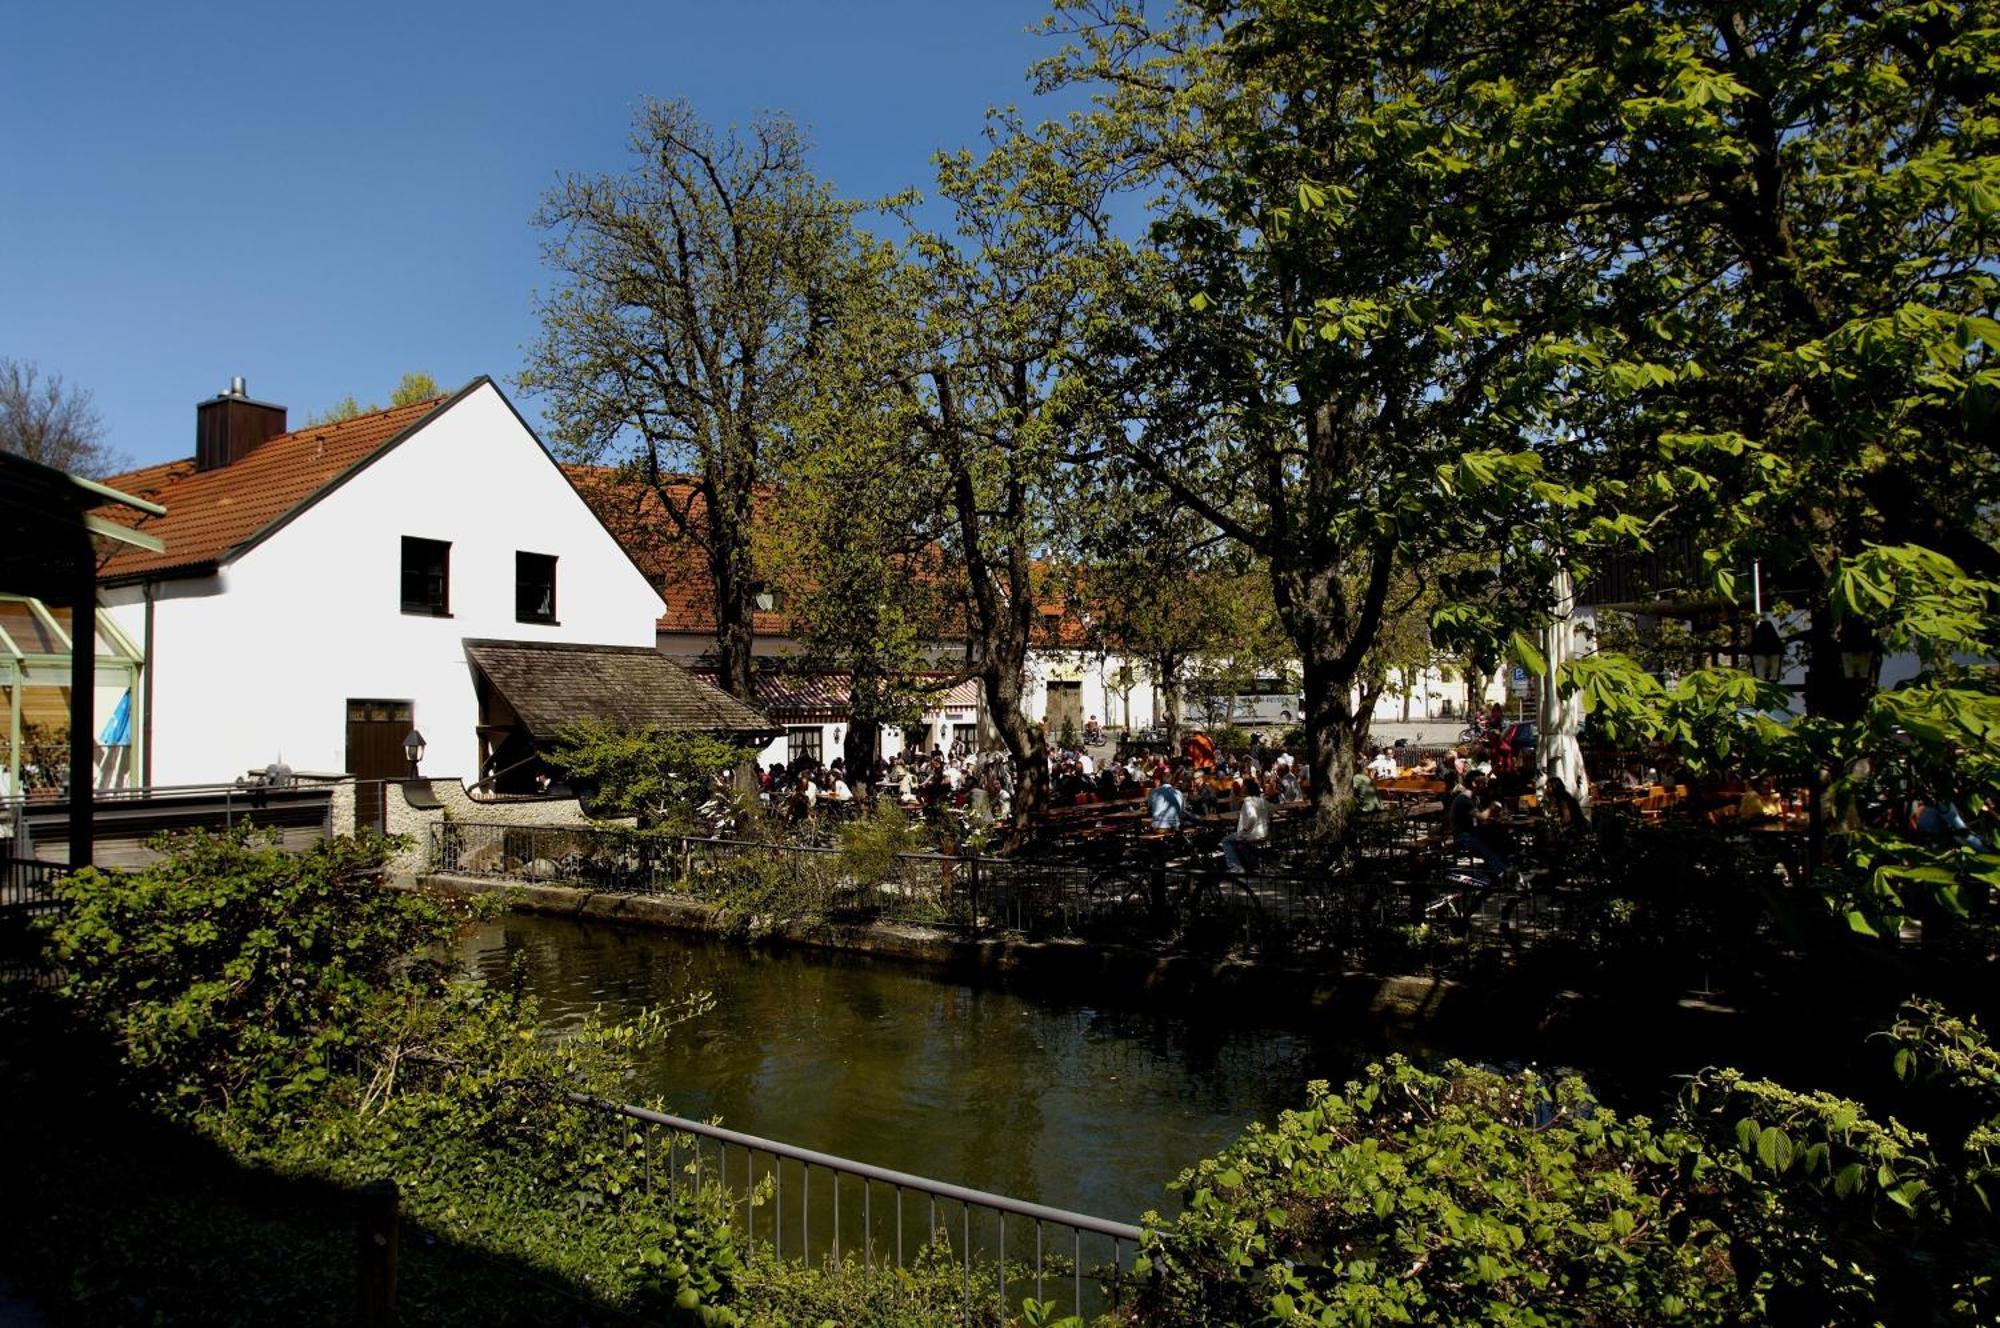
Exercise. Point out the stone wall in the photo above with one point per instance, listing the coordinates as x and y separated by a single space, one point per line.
340 815
456 804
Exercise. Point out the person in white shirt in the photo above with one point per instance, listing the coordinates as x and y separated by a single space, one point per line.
1088 766
1253 826
841 793
1384 765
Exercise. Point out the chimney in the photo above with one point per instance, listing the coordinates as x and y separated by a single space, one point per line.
230 426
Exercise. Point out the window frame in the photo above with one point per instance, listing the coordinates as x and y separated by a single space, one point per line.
795 750
423 608
521 557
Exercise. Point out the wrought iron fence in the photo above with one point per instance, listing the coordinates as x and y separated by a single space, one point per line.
1400 894
27 891
811 1205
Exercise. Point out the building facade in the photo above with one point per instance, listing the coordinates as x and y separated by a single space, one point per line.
319 585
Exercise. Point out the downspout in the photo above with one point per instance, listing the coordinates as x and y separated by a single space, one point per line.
146 697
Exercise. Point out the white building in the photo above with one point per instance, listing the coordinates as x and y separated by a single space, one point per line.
318 586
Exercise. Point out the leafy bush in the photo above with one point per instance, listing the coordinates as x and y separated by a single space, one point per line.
660 777
931 1289
870 846
298 1013
232 973
1834 1216
1471 1197
1460 1197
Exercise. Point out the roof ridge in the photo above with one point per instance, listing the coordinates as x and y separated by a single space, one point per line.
322 426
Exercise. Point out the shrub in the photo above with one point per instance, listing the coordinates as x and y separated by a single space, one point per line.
231 972
295 1011
870 845
658 777
1837 1216
1471 1197
1459 1197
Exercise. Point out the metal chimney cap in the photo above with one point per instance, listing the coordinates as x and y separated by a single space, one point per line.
236 387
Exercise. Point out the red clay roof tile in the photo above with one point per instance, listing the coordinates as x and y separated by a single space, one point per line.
212 512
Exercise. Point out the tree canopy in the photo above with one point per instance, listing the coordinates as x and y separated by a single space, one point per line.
681 339
46 419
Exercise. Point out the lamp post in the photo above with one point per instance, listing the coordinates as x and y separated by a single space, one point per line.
413 748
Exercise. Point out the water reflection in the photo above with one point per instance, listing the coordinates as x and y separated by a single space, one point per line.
1081 1107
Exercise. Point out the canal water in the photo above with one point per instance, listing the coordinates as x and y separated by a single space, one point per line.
1083 1106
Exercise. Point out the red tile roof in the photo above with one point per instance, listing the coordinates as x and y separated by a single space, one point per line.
798 697
212 513
632 511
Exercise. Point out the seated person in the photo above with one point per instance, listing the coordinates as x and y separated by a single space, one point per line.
1383 765
1166 807
1465 818
1366 799
1253 829
1760 802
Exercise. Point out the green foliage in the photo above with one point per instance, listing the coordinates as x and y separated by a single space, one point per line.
306 1018
414 387
1837 1217
659 778
410 389
231 971
929 1289
869 846
1459 1197
1466 1196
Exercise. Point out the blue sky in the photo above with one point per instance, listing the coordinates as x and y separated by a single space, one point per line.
320 197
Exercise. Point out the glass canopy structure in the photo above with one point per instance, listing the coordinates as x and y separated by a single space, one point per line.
35 642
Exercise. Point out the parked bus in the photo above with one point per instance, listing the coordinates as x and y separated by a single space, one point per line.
1259 703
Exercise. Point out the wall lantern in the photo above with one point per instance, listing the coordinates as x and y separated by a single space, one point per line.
1857 665
413 747
1767 651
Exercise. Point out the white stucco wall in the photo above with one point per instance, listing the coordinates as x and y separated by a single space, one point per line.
259 662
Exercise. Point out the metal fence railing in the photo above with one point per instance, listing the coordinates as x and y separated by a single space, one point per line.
1397 890
27 891
810 1205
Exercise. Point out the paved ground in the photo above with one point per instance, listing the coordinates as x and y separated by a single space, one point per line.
1420 732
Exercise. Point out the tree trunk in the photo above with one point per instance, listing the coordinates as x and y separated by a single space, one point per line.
1364 715
1330 739
1167 688
1027 746
863 741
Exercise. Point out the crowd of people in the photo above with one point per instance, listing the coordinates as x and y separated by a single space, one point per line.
955 780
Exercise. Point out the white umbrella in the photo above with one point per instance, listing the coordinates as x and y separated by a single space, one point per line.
1561 717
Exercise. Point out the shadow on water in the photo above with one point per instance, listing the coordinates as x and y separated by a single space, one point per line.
1092 1107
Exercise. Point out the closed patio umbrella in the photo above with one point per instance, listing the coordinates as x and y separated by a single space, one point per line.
1561 717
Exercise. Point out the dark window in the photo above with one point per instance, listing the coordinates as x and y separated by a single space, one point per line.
534 587
803 743
426 576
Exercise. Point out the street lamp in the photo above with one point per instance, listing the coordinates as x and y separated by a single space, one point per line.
413 747
1857 664
1767 651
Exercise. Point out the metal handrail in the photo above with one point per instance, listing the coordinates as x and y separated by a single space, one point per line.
1096 1226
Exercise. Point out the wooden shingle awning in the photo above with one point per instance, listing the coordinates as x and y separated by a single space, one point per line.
549 685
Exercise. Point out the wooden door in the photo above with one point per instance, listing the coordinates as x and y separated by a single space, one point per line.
1065 707
375 733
